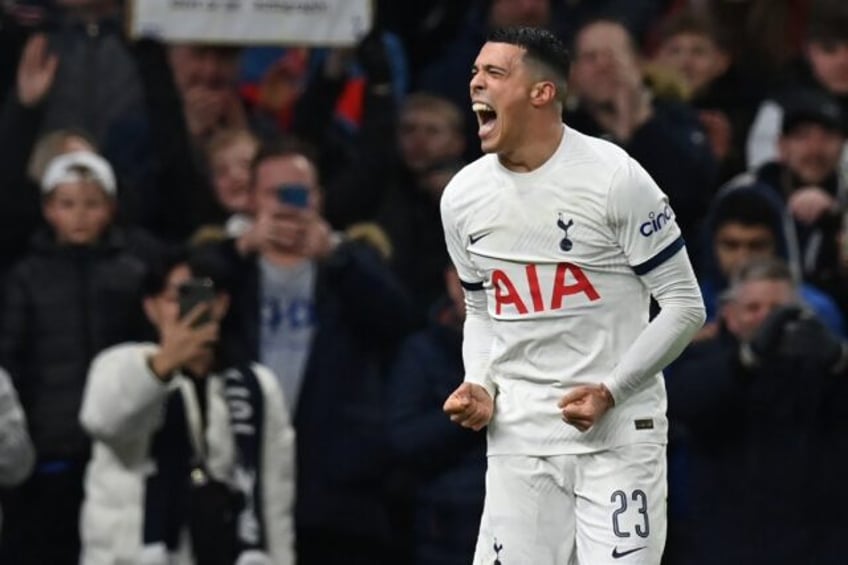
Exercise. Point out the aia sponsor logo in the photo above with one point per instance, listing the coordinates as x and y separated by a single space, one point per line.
523 293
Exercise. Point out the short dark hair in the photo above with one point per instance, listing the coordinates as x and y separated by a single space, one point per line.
746 207
804 106
695 22
282 147
204 261
828 22
438 104
540 44
604 19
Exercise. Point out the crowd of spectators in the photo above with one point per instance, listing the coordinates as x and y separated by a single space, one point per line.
303 184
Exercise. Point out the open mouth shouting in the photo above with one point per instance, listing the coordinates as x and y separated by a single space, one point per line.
487 117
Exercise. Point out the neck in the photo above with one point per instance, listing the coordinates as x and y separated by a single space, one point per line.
534 152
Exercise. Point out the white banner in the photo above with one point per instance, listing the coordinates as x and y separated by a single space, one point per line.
251 22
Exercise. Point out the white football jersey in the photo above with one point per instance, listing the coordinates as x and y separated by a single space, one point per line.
559 251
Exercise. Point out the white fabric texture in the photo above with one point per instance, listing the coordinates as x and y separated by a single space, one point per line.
575 509
675 288
477 342
558 253
123 406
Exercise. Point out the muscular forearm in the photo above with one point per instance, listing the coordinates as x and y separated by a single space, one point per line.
674 286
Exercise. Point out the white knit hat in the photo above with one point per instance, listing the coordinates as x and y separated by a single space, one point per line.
65 168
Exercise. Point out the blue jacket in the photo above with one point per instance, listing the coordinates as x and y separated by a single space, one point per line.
713 283
448 461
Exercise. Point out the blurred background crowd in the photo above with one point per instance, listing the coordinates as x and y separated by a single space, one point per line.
118 154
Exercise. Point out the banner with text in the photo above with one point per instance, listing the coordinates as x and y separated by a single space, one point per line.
246 22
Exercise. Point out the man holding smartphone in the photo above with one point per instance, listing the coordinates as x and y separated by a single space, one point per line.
290 237
323 312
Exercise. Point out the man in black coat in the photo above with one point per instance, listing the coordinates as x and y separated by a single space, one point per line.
324 313
761 408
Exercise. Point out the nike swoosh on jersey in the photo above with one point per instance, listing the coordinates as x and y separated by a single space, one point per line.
619 554
474 240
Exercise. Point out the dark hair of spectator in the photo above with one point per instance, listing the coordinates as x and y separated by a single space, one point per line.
744 207
282 147
631 40
541 46
423 101
828 22
694 22
203 262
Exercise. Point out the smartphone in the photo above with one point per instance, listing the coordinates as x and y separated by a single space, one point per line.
193 292
296 195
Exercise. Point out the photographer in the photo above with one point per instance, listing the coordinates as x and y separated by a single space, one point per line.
185 441
762 409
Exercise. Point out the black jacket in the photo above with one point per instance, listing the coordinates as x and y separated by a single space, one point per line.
361 314
767 452
63 305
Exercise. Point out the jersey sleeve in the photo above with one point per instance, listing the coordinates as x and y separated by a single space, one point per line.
642 219
477 329
470 277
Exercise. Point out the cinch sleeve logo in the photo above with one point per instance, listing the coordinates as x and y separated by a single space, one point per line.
656 221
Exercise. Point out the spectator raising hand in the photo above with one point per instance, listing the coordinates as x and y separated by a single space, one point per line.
208 108
36 71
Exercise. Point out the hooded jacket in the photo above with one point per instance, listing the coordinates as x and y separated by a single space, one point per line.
713 282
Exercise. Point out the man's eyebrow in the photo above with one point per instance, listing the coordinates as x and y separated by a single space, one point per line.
489 68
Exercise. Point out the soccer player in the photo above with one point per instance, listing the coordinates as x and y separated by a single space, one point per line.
560 239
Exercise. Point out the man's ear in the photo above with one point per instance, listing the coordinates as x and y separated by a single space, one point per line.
543 93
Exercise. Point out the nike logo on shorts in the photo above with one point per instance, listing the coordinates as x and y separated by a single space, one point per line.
616 554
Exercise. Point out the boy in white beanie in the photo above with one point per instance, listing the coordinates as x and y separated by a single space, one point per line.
76 292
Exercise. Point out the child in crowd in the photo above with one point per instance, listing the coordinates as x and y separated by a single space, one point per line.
692 45
230 153
76 292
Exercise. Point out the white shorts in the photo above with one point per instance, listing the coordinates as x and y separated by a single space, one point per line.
589 509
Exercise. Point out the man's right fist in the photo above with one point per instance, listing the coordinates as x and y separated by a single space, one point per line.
470 406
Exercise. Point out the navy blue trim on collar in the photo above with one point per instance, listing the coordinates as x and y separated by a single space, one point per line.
659 258
471 286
